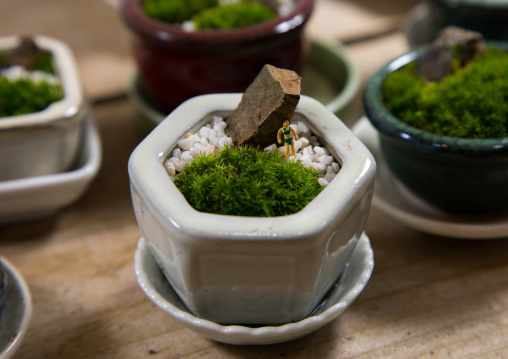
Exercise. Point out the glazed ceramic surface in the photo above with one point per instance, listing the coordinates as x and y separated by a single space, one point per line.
329 75
485 16
349 285
175 65
459 175
251 270
396 201
47 141
17 311
40 196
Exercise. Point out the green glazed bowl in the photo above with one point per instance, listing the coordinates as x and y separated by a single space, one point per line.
454 174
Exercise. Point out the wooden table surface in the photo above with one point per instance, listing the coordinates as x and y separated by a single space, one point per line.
428 297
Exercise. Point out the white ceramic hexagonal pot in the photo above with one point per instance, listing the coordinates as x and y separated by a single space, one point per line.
251 270
46 141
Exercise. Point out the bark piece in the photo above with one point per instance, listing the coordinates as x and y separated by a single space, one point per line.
453 44
268 101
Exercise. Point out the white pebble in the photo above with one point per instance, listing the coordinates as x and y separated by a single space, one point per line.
336 167
179 165
304 141
186 157
209 149
321 168
307 151
187 143
170 168
225 141
188 25
320 150
270 148
205 132
298 145
326 160
329 176
322 181
303 127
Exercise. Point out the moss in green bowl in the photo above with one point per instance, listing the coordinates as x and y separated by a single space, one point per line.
470 103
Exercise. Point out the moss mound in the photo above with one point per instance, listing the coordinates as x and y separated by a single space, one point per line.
176 11
24 96
246 181
233 16
470 103
208 14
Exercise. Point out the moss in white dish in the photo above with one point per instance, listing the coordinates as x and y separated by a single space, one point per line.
23 91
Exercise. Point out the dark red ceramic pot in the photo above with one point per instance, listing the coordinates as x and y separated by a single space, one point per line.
175 65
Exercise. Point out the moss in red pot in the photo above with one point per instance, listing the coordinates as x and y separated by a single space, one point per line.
174 64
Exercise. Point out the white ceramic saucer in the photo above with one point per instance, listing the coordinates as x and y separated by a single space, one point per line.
348 287
40 196
17 311
395 200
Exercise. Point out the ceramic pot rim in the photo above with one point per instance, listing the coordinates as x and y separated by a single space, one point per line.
72 104
147 174
471 4
395 129
141 23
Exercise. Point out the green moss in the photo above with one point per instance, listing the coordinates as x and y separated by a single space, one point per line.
24 96
246 181
43 61
176 11
233 16
470 103
208 14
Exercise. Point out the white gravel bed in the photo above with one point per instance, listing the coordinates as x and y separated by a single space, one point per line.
18 72
211 137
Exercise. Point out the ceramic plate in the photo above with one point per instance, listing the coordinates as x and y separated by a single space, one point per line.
329 76
348 287
40 196
16 313
395 200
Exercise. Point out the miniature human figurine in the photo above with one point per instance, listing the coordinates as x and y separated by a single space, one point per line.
288 139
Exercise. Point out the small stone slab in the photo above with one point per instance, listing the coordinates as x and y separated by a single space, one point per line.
437 62
266 104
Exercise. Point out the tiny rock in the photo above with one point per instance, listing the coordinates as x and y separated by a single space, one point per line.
26 54
268 101
437 61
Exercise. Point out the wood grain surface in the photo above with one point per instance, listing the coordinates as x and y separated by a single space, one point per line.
429 297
